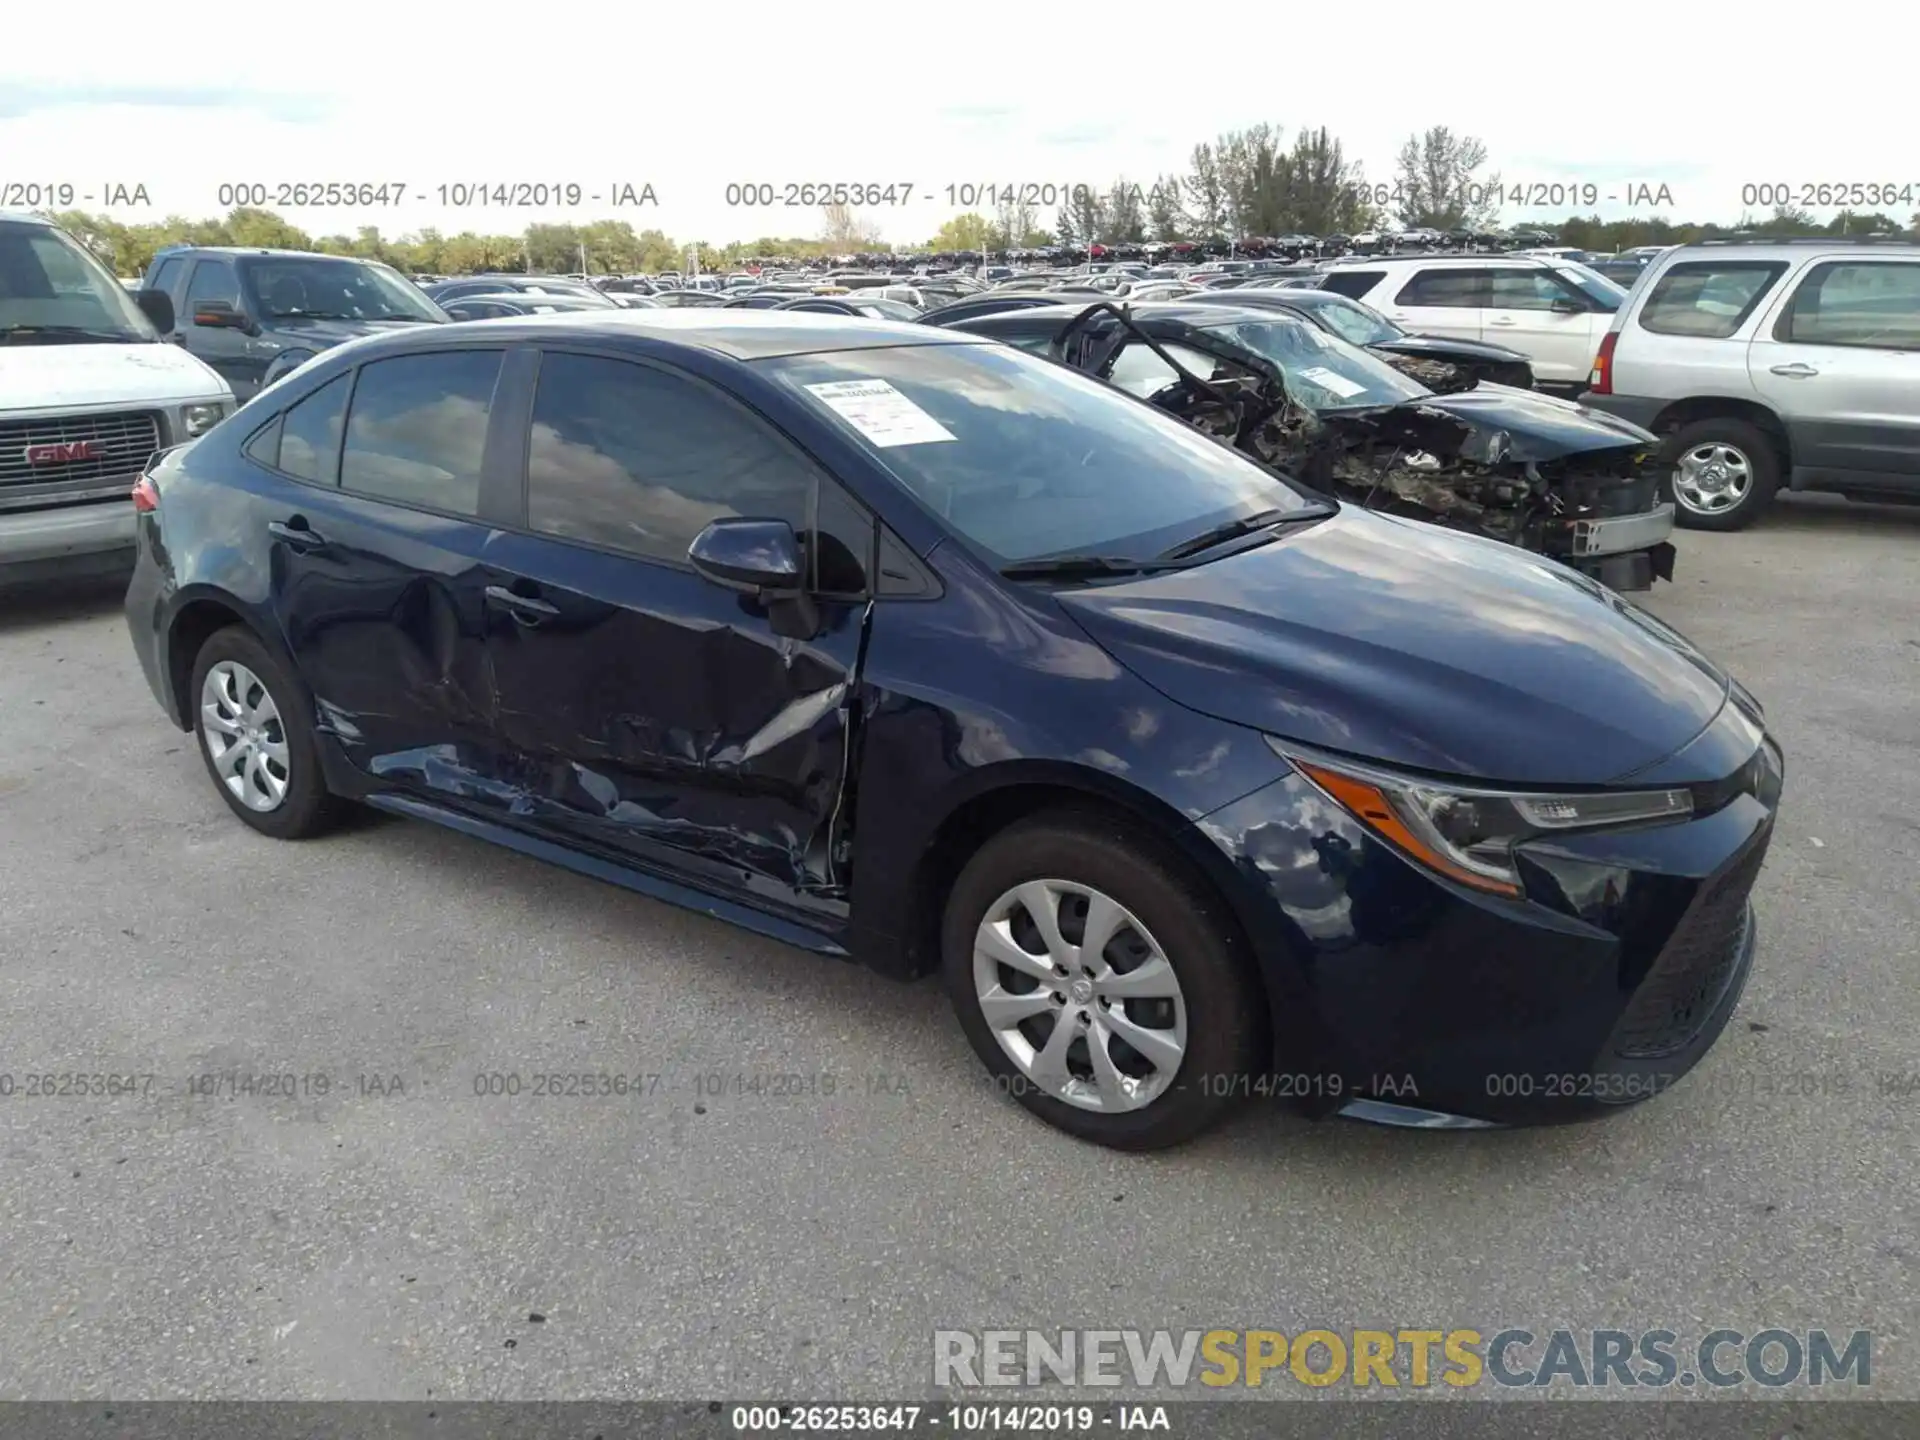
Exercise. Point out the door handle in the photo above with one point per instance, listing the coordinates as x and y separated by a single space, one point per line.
523 607
1796 370
1501 320
297 533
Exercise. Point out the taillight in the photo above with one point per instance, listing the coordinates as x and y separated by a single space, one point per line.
1600 381
146 495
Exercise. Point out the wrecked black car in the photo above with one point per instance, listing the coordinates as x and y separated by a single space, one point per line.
1543 474
1441 363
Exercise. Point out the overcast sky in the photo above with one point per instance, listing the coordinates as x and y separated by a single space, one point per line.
1701 99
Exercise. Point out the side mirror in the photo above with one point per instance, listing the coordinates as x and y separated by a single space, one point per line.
761 557
219 315
157 306
1566 306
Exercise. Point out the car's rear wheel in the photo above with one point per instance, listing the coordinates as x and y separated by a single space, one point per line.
1104 988
256 738
1725 472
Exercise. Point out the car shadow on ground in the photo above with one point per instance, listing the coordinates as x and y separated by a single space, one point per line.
51 602
915 1019
1835 515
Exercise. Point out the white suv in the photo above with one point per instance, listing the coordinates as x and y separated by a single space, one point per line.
1770 362
1553 311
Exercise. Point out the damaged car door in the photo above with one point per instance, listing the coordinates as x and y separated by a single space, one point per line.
373 492
651 714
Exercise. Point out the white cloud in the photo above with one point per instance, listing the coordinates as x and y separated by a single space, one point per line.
1700 99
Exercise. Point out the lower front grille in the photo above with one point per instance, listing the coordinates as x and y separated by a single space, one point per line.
53 456
1689 979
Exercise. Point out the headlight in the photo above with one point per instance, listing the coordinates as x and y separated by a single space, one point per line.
1467 833
197 420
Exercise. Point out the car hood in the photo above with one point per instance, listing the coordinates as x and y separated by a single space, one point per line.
296 332
1438 347
1415 646
1537 427
85 376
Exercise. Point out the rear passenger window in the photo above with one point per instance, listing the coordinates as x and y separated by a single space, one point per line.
417 428
1709 299
642 460
1351 283
310 434
1448 289
1874 305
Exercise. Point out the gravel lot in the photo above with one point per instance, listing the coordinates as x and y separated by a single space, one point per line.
397 1245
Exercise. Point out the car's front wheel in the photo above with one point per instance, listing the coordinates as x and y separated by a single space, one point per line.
1725 473
1106 990
256 737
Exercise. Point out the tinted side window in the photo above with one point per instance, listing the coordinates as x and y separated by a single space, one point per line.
310 433
212 280
1708 298
642 460
1875 305
1525 290
166 275
1351 283
418 427
1449 289
841 543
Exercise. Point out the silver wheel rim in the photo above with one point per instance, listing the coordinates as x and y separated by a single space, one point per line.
1080 996
1713 478
245 736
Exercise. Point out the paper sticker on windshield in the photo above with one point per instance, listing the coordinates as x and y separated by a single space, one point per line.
881 413
1331 380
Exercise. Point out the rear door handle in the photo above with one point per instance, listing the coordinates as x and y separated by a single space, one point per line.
524 607
297 533
1796 370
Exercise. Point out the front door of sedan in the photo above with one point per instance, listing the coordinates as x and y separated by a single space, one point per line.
376 528
1841 363
650 714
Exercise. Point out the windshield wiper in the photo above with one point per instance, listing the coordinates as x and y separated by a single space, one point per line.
69 332
1071 567
1234 529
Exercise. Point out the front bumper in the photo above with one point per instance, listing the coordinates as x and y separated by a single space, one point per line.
1617 534
1604 986
67 536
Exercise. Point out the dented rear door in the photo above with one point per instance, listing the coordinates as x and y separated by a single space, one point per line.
376 560
651 714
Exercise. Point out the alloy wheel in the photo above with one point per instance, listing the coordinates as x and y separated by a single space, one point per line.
1713 478
1080 996
245 736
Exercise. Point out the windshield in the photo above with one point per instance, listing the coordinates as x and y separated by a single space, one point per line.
1323 372
1026 458
51 287
296 288
1605 295
1353 322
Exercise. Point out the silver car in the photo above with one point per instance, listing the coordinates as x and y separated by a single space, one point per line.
1770 363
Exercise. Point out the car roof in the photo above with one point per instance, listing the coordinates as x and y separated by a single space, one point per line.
522 297
738 334
1201 316
263 252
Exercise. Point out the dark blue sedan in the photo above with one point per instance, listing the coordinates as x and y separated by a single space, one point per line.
900 645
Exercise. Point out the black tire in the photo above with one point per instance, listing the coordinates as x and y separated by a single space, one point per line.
308 808
1226 1011
1763 459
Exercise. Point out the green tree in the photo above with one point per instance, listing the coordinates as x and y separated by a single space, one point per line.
1439 181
